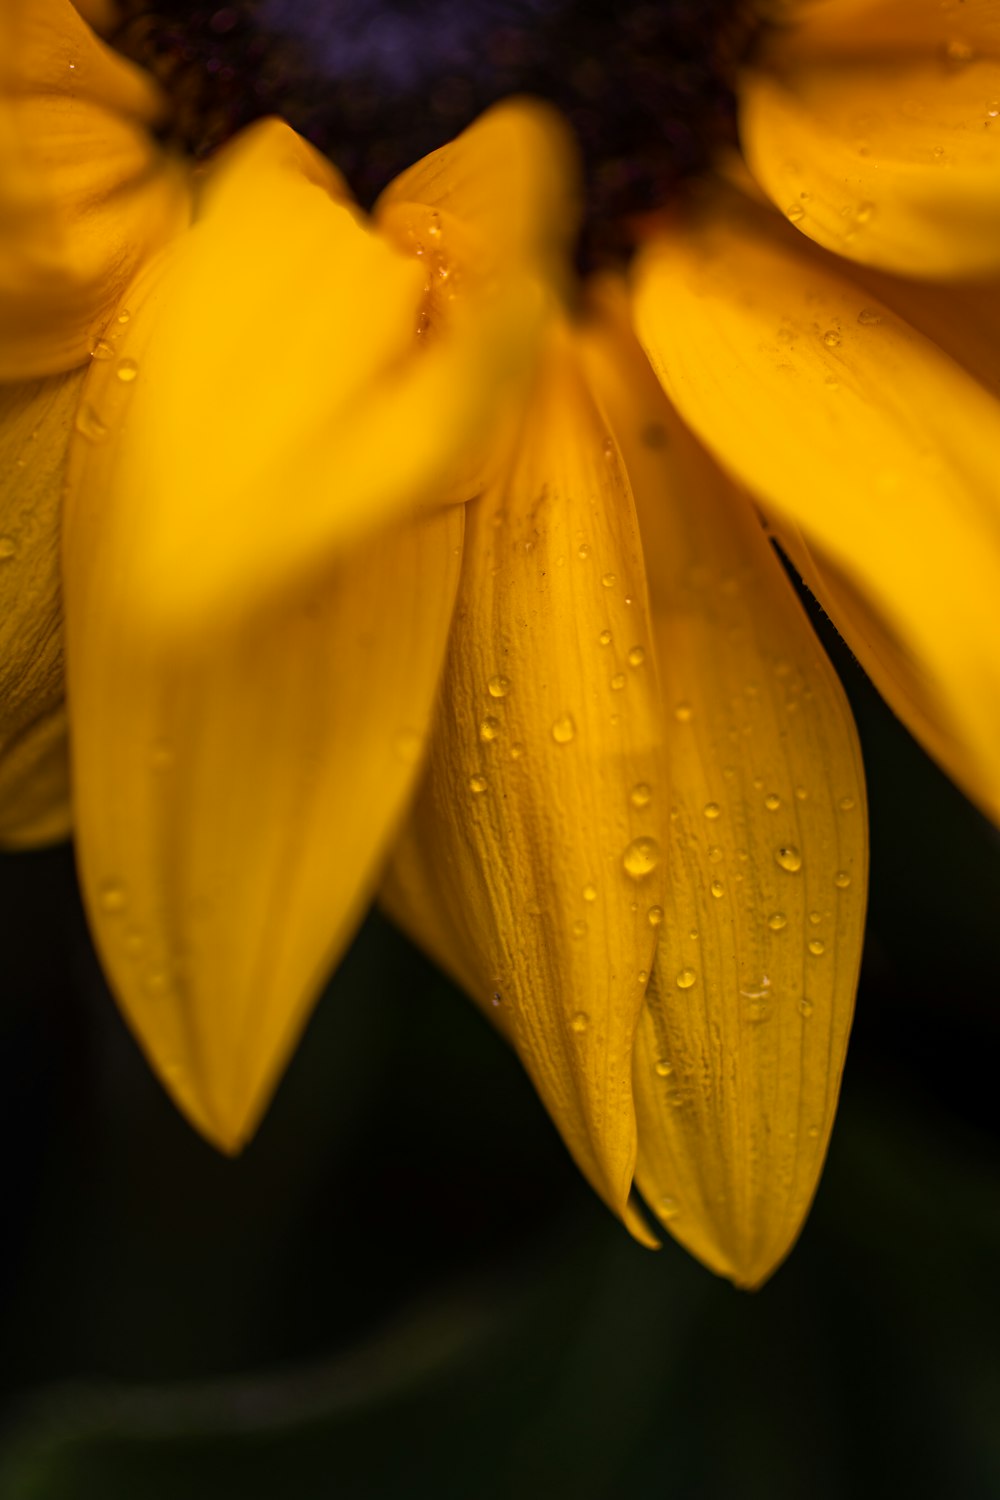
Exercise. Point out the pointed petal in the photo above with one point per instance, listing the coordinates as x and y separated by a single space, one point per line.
280 374
529 865
235 795
35 424
844 420
86 194
875 128
742 1040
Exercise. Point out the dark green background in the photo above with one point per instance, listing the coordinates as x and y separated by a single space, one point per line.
403 1288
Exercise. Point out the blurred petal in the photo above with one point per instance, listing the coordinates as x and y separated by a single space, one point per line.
86 195
848 423
874 127
235 795
288 387
530 865
742 1040
35 424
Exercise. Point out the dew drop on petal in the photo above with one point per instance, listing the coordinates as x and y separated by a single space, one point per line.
489 728
605 637
102 350
477 784
663 1068
806 1009
127 370
618 682
683 713
498 686
789 858
842 880
590 893
641 858
641 794
846 804
579 928
831 338
655 916
718 889
111 898
636 656
712 810
580 1022
868 318
668 1208
609 580
563 729
777 920
817 948
685 979
772 802
583 551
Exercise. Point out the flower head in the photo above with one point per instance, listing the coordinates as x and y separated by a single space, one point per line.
388 545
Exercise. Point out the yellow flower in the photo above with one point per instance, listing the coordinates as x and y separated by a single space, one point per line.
640 839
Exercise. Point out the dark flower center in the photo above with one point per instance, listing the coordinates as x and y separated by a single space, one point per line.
376 84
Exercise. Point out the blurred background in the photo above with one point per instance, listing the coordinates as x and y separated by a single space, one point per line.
404 1288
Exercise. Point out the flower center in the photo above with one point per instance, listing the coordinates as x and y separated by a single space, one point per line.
376 84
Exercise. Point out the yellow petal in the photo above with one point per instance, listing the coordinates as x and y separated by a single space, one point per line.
530 865
875 128
235 794
35 424
844 420
742 1040
281 402
86 195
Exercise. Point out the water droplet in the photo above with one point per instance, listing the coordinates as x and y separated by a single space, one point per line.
516 750
583 551
815 918
831 338
712 810
8 547
868 318
846 804
407 746
714 853
789 858
498 686
489 728
813 1130
636 656
112 897
563 729
641 858
686 978
663 1068
806 1009
102 350
817 947
477 784
654 916
580 1022
580 929
127 370
771 802
605 637
609 580
89 425
668 1208
617 682
718 889
124 316
958 51
777 920
590 893
795 212
842 880
683 713
864 211
156 982
801 793
641 794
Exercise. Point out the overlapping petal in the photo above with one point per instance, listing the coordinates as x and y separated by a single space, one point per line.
848 423
875 126
533 858
36 420
86 194
252 650
743 1034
